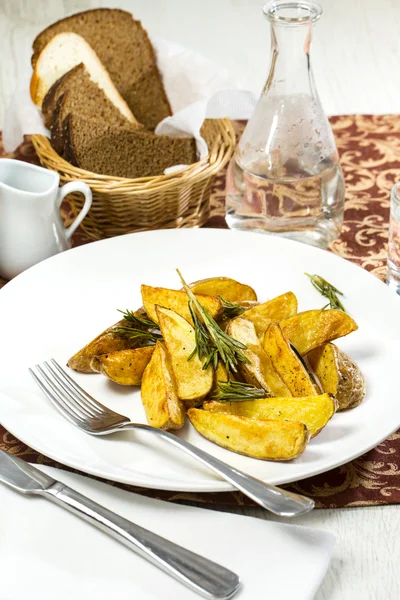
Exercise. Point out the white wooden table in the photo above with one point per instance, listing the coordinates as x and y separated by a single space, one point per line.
356 60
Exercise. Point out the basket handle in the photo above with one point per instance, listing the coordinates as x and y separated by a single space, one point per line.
68 188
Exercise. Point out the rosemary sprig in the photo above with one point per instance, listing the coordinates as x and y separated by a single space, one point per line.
231 309
236 391
142 328
132 333
130 316
211 342
327 290
203 346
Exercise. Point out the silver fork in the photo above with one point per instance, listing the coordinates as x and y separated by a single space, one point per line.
88 414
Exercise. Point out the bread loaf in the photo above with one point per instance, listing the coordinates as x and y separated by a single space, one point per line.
89 131
123 47
76 92
86 95
60 55
125 153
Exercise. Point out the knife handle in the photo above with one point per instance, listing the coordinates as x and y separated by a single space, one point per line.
196 572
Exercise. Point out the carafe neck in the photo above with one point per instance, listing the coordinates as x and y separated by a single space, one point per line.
291 35
290 69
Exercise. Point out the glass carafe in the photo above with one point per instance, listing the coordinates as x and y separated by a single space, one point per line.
285 177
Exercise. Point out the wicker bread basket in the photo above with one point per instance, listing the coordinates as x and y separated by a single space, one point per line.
121 205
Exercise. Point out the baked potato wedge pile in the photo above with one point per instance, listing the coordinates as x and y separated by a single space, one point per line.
257 378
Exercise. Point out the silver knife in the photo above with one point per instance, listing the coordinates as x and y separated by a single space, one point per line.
199 574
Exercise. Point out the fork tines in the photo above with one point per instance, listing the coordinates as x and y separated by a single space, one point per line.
69 397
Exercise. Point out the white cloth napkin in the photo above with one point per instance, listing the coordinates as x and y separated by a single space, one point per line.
197 88
47 553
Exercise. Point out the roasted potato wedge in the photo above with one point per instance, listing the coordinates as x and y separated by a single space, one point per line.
247 304
219 375
339 375
260 370
265 439
287 363
163 408
228 288
313 328
193 382
225 319
177 301
278 308
313 411
105 343
125 367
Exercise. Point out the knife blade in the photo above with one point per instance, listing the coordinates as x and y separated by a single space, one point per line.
198 573
21 476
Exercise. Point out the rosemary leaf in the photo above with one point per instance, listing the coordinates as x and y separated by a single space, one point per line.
216 344
203 346
327 290
236 391
130 316
231 309
132 333
139 328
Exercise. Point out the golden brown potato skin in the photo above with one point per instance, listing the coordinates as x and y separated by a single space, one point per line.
193 383
265 439
259 371
339 375
177 301
125 367
313 411
163 408
288 365
108 341
219 375
228 288
278 308
313 328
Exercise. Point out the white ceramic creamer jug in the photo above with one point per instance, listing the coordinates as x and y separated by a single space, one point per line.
31 228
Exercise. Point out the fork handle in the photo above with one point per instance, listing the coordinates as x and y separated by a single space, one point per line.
280 502
203 576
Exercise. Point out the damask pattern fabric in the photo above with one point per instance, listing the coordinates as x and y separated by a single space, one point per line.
369 148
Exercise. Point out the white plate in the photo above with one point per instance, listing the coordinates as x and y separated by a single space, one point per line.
59 305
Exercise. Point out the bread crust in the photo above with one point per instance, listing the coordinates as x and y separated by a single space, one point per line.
51 98
37 45
69 153
58 127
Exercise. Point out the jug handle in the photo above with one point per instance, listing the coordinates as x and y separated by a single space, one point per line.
68 188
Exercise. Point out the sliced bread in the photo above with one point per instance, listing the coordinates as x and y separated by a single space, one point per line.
59 56
124 153
80 92
83 120
125 50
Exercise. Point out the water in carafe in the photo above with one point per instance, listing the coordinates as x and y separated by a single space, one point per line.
285 176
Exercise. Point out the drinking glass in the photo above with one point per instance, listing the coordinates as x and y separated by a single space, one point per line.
393 273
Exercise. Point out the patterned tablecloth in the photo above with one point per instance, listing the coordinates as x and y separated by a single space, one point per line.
369 148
